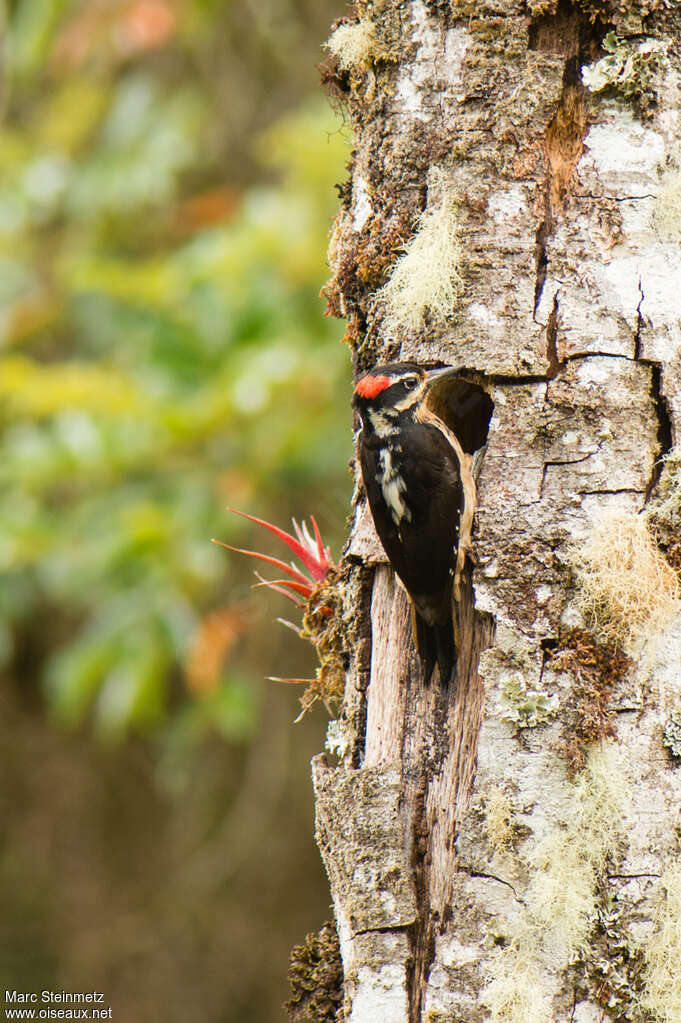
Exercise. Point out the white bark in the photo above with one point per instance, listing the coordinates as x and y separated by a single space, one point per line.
571 315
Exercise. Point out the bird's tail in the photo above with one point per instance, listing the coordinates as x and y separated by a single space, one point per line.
436 646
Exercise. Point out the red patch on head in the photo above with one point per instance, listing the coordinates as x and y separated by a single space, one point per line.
369 387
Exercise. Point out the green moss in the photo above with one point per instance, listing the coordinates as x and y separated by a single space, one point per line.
323 626
316 978
596 670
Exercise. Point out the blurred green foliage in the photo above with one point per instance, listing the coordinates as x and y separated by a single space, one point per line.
162 353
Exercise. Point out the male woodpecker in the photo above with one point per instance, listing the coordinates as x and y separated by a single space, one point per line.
422 498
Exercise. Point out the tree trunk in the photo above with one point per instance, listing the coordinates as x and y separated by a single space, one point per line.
504 849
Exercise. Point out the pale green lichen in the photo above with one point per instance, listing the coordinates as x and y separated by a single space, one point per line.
662 952
561 900
353 45
562 894
515 993
500 822
426 279
628 68
671 736
523 706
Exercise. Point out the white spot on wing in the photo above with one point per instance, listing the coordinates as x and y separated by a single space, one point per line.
392 487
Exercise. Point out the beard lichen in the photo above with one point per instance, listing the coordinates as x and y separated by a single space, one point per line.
353 44
426 279
626 589
662 952
566 870
500 821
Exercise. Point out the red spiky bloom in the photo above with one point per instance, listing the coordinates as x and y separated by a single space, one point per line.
307 547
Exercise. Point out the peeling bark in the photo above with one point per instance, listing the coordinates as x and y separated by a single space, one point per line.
571 319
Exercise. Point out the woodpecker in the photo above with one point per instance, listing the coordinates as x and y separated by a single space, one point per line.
421 494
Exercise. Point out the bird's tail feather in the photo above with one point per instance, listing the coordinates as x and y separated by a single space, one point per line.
436 646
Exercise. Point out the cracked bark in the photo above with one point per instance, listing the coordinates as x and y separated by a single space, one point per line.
571 316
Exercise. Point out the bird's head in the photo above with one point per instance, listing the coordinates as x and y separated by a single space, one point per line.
385 393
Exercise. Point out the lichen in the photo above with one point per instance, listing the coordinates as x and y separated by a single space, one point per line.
339 738
561 900
626 589
500 822
567 864
662 952
515 995
668 503
614 966
353 44
316 978
523 706
361 263
426 279
671 736
628 69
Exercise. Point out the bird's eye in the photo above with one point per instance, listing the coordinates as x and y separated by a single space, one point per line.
410 382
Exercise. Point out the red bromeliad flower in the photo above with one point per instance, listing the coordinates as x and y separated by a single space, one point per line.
315 558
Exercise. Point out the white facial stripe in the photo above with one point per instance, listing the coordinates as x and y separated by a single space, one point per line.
392 487
382 421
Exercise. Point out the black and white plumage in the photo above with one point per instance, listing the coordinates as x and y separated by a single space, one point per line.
422 498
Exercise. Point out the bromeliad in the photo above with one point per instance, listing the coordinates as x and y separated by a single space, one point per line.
309 549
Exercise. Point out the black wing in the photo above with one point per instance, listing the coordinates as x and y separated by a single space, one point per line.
422 549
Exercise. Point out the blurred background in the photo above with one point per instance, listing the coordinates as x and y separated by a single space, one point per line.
166 191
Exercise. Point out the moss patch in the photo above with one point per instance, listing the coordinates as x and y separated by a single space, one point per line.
316 978
596 669
323 626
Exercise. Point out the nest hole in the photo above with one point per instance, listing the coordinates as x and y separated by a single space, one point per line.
466 406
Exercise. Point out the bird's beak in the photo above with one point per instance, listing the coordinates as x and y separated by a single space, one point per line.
435 375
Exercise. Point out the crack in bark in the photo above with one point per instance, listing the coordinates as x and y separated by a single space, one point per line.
617 198
500 880
421 934
555 363
397 929
639 322
616 490
630 877
541 261
566 461
660 402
